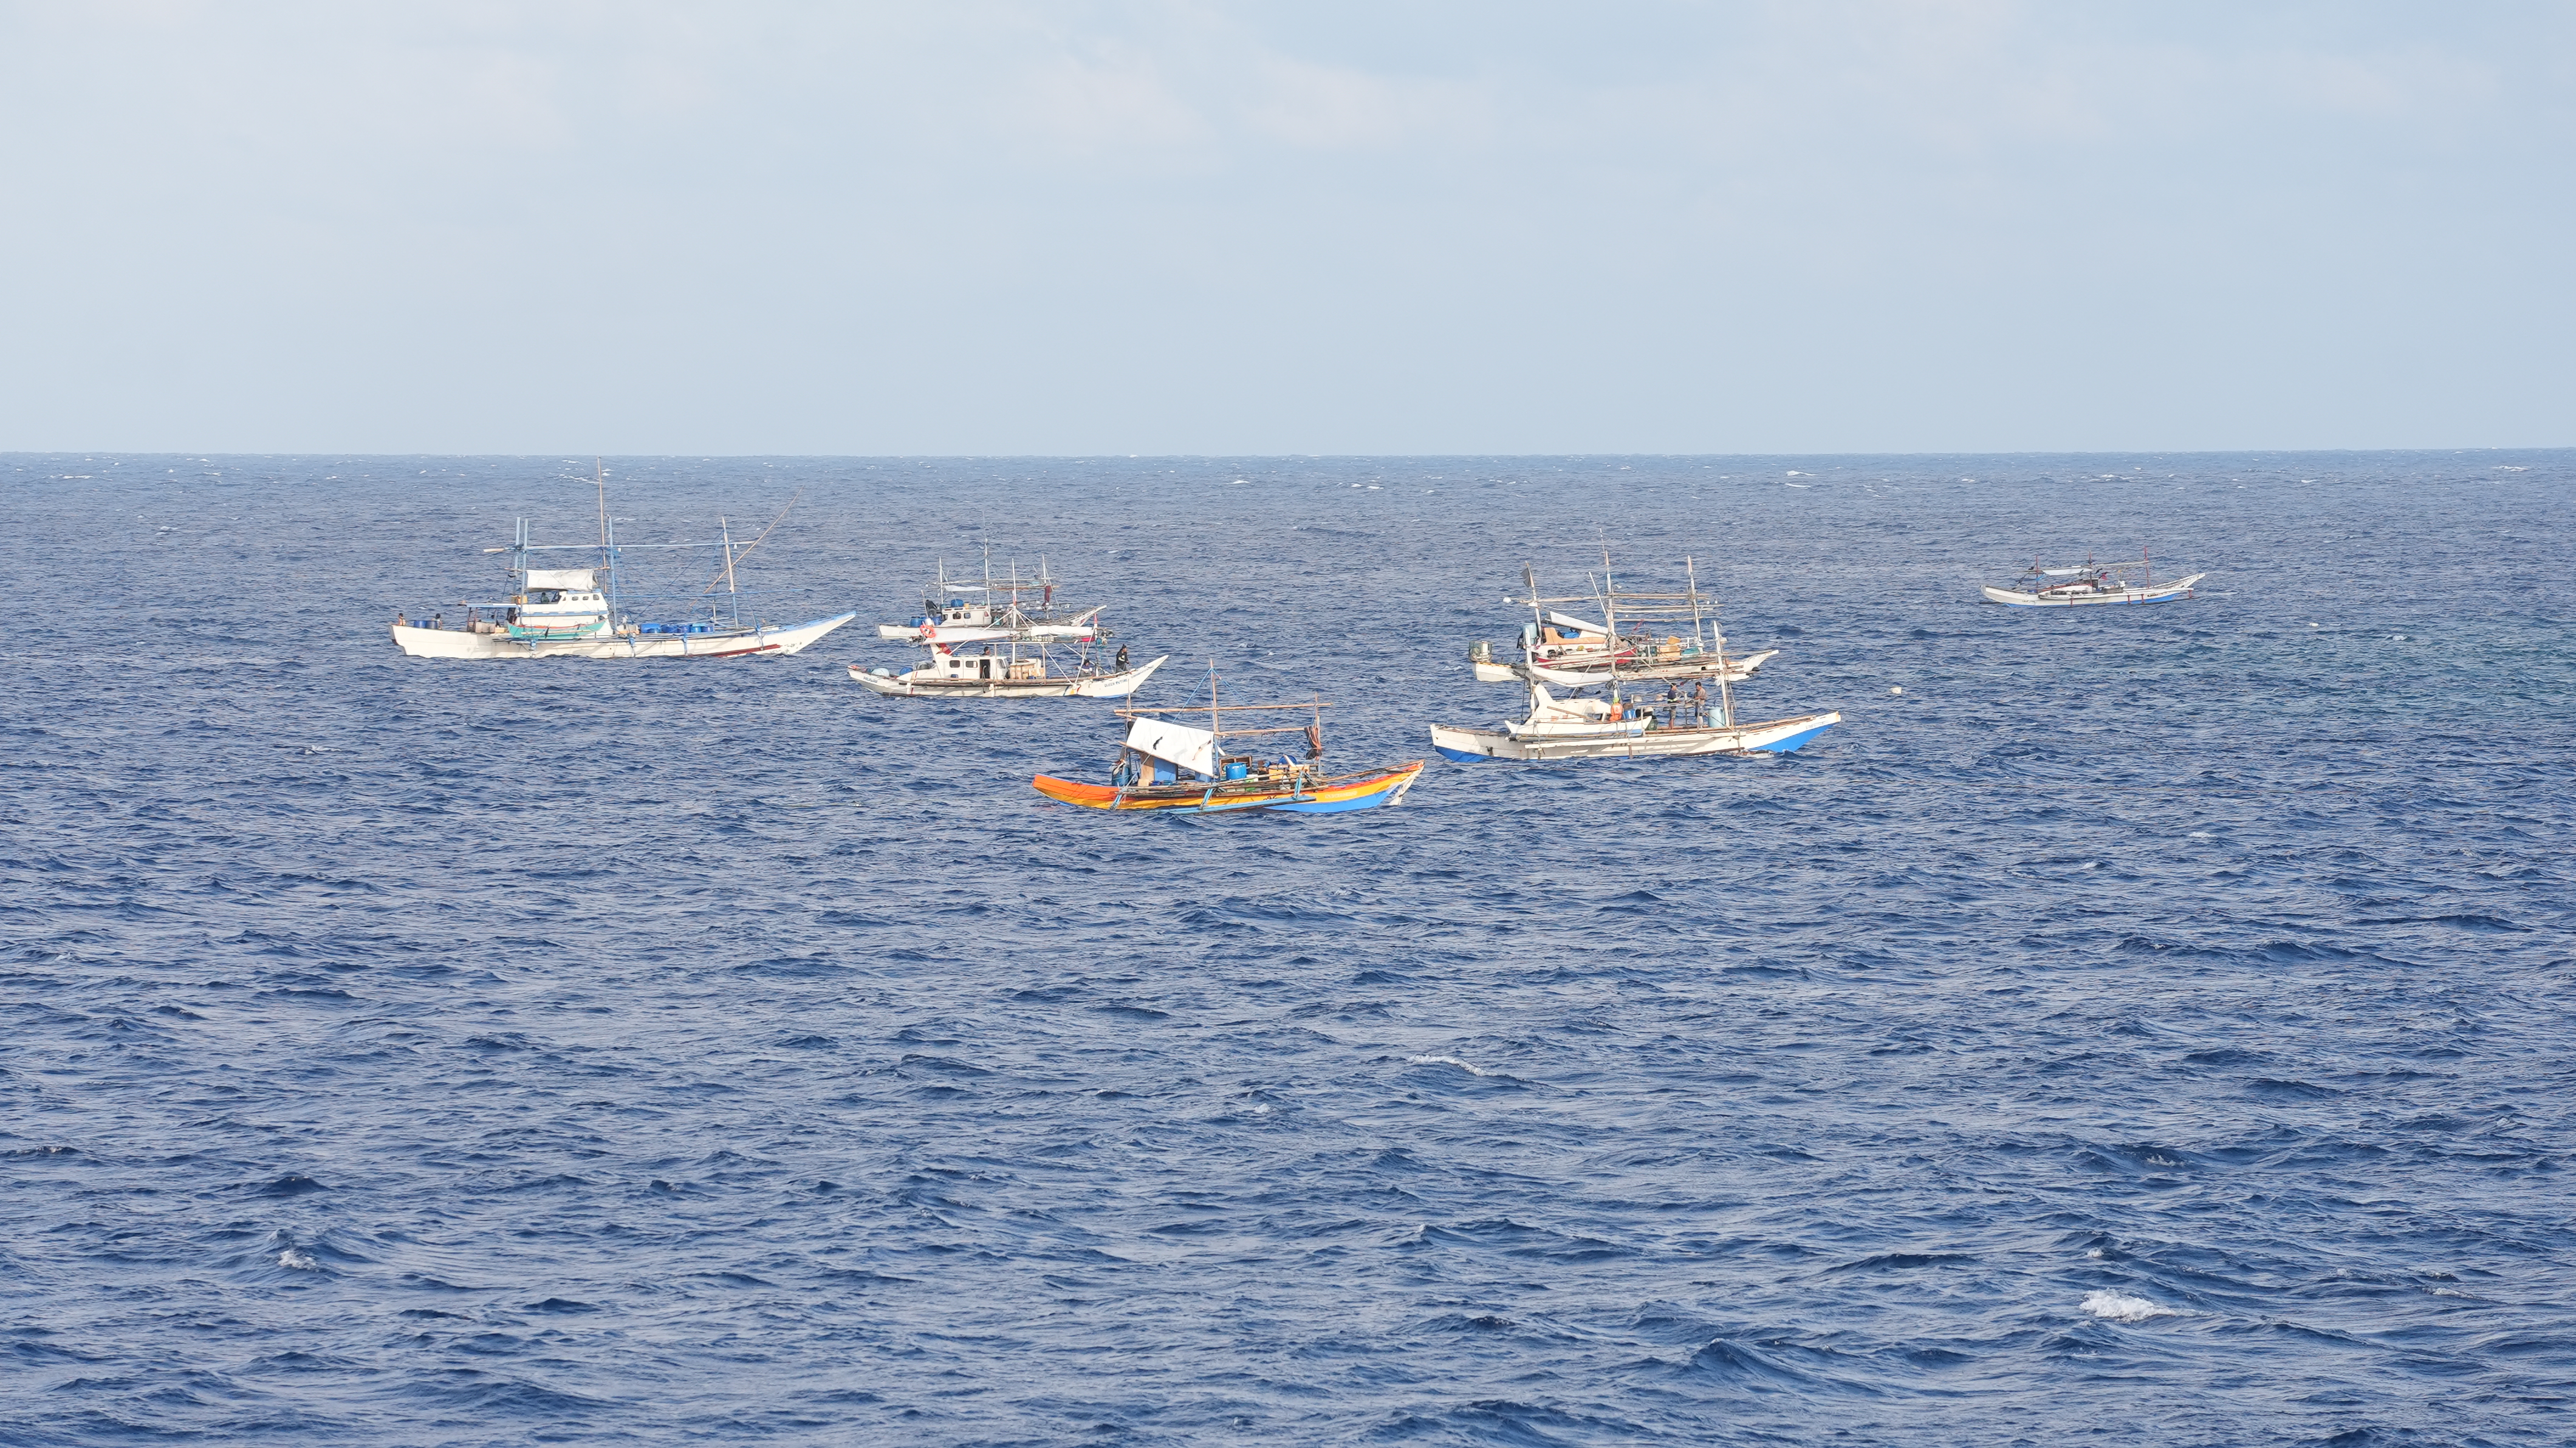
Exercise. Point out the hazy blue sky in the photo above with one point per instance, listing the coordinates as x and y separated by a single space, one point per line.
966 227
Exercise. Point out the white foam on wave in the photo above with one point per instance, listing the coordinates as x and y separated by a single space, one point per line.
2121 1307
300 1261
1449 1061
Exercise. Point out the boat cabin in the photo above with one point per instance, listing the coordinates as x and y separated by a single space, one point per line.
956 611
558 603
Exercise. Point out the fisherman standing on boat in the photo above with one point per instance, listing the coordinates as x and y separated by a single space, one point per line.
1122 659
1699 702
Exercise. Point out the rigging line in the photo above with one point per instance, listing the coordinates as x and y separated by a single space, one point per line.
755 543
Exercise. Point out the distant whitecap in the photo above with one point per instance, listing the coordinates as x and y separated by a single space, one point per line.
1449 1061
2121 1307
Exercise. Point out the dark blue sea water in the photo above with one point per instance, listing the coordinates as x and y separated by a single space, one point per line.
2151 1026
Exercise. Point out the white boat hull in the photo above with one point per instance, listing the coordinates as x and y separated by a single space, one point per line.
2161 593
452 643
1737 671
1777 736
1080 686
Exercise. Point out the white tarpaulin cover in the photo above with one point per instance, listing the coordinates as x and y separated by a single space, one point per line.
578 578
1579 626
1191 749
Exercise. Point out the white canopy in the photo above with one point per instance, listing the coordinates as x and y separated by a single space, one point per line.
1576 624
1544 705
1191 749
576 578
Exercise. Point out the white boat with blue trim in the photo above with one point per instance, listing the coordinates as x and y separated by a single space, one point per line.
1632 721
2090 583
1623 728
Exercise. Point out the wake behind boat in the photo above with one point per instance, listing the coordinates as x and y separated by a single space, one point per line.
1166 762
2090 582
587 613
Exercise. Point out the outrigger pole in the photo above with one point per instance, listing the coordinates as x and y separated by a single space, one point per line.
731 558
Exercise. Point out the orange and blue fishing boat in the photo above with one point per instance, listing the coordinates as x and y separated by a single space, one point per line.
1168 762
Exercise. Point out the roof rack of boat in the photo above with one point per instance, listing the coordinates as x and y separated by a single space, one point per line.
1215 713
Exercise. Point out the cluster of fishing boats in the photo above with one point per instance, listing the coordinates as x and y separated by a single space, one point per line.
1640 673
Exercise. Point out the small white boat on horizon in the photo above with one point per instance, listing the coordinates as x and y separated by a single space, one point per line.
2090 582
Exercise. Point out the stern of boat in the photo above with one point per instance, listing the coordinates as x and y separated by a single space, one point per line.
795 640
1369 792
1467 746
1074 791
1116 686
456 643
892 687
1787 735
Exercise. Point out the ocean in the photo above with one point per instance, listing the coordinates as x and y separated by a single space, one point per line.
2151 1025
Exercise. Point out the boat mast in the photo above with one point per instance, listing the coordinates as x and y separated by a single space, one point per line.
1529 641
607 544
1610 620
1725 695
726 530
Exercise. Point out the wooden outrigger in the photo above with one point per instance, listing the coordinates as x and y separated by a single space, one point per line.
1166 764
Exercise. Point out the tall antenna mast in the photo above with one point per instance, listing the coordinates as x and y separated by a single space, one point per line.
1529 642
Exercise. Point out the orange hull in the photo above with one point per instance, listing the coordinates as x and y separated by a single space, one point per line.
1333 796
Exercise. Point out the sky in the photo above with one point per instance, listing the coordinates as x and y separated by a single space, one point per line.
976 227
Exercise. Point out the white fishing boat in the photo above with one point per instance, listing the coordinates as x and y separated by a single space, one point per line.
1577 672
590 612
1007 670
1000 609
1632 722
1008 642
2091 582
1570 652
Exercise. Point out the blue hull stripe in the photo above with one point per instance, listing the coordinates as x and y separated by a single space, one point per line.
1784 746
1461 756
1317 806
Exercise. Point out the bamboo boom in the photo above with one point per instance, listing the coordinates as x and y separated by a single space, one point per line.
754 543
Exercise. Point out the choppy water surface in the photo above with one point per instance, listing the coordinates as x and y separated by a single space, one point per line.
2152 1025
